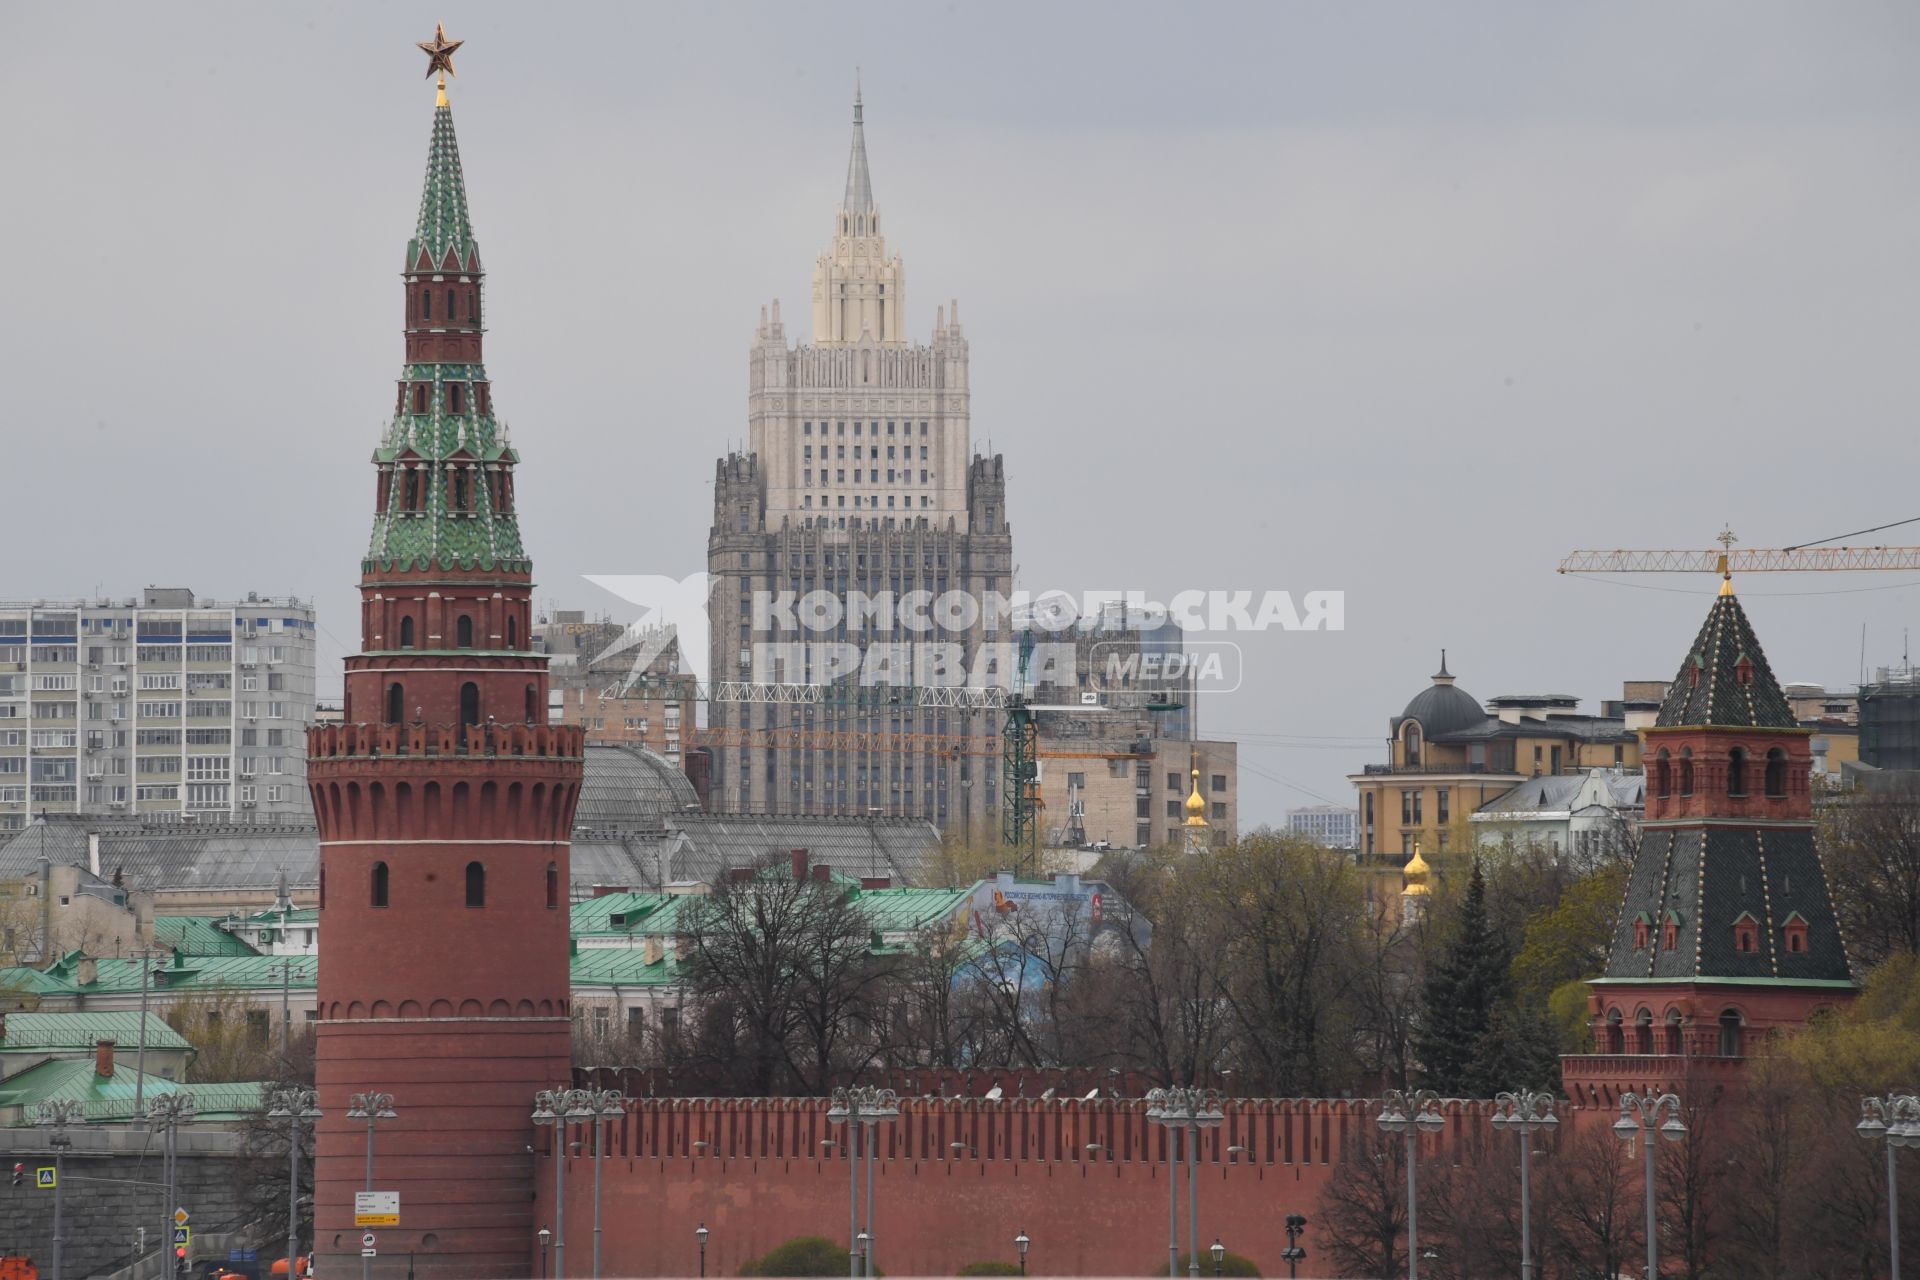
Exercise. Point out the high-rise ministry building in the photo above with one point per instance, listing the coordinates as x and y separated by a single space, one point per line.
860 480
161 704
444 801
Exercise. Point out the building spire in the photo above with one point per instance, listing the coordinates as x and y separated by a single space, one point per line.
859 198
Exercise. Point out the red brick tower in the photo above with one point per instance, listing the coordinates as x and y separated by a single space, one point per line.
444 804
1728 929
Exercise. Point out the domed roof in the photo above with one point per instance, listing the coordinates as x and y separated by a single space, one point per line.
628 788
1442 707
1417 873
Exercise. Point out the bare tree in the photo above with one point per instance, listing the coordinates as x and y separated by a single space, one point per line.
1871 843
1363 1210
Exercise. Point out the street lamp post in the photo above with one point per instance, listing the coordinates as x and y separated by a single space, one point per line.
1293 1253
1186 1111
700 1234
545 1235
1640 1118
862 1108
561 1108
296 1106
1020 1244
167 1112
1411 1113
1895 1119
1526 1113
373 1108
1219 1252
603 1103
55 1115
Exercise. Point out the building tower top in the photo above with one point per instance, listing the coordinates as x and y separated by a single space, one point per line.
859 197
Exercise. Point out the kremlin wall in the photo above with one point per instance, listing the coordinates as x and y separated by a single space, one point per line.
756 1173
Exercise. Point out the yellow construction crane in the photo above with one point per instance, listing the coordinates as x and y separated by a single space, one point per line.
1728 560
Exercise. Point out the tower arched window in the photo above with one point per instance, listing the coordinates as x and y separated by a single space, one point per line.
1411 739
1616 1034
1643 1032
1663 774
406 632
533 705
396 703
476 885
513 633
450 311
420 397
1737 772
1675 1041
469 703
553 887
1776 772
463 630
426 304
1686 771
1730 1023
378 890
413 489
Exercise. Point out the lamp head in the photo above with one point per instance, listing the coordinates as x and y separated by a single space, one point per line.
1626 1128
1673 1130
1219 1251
1021 1242
701 1231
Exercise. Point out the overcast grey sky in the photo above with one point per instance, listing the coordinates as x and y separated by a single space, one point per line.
1406 300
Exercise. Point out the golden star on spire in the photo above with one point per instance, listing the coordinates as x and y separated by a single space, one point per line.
439 53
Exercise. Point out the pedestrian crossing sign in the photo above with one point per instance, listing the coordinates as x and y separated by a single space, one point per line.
183 1235
45 1178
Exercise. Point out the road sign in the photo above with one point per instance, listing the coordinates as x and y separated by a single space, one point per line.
179 1217
366 1241
45 1178
376 1208
183 1235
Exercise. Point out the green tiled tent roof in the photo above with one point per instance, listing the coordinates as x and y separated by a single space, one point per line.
434 535
1715 695
443 223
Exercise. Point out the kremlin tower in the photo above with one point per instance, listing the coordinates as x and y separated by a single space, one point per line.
1728 929
444 804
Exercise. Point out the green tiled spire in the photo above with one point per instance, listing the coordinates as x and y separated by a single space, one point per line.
443 221
1725 680
445 438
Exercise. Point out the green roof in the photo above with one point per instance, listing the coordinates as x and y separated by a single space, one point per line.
443 224
244 973
86 1028
644 913
111 1098
889 911
622 966
198 936
432 531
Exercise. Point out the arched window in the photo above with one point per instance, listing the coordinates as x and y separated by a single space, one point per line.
1663 774
1616 1034
476 885
1643 1029
1412 740
1737 771
461 499
426 304
450 311
464 630
413 489
1776 773
1675 1042
406 632
532 705
379 894
513 633
553 887
396 703
1730 1033
469 703
1686 771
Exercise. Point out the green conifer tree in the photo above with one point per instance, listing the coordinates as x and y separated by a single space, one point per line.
1471 979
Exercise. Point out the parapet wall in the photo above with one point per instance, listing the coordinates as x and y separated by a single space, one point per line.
1086 1181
